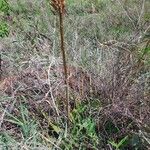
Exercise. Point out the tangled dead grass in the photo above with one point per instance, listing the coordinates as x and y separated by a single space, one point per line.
79 80
119 81
43 88
124 95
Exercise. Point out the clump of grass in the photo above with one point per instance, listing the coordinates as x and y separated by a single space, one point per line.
83 129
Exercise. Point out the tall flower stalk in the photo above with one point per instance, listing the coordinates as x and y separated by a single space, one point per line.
58 7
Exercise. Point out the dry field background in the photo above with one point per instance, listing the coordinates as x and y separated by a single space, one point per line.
108 51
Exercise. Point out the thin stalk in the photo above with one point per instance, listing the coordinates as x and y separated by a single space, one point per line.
64 61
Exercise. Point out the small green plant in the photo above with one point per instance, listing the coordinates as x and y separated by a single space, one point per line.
4 6
4 29
120 144
27 125
4 10
83 130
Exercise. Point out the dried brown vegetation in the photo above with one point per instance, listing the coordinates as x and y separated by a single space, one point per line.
41 81
124 95
108 93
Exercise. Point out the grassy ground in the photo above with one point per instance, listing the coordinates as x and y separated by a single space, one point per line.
107 44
